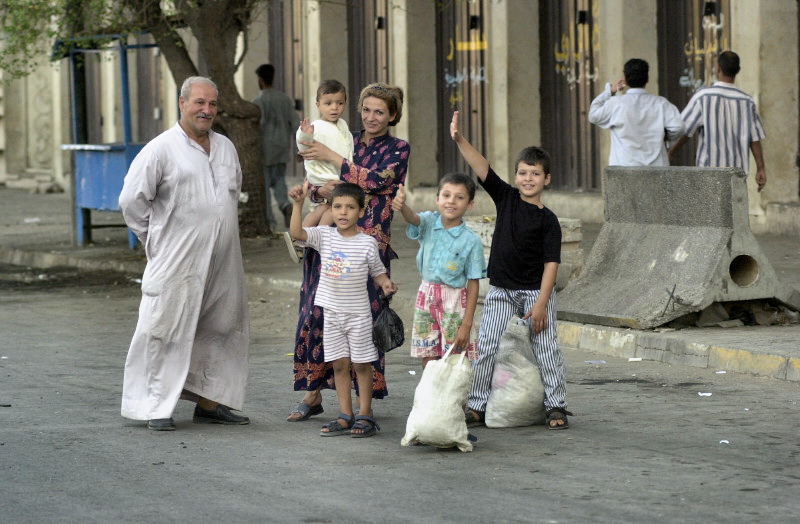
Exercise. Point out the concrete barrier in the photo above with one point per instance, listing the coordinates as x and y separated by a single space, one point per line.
571 251
674 241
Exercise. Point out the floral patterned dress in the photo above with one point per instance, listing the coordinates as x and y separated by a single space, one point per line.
378 168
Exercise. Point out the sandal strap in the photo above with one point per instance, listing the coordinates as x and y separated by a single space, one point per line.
302 408
563 411
334 424
368 419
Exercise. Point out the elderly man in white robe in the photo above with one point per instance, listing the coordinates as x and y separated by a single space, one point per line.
180 198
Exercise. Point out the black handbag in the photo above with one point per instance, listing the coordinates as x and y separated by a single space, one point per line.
387 330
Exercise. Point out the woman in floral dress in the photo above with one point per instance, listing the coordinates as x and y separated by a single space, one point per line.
379 166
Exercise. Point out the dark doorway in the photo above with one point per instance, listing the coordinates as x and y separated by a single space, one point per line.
690 36
569 43
461 78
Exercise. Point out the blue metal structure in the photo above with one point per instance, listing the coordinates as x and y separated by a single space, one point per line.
100 168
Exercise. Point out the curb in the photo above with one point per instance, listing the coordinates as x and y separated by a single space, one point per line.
19 257
661 347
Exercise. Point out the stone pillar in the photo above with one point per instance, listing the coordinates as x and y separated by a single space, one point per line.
412 62
258 53
2 129
60 96
513 83
324 50
764 34
627 29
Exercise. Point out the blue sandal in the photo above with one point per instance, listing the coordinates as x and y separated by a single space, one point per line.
368 427
335 428
305 411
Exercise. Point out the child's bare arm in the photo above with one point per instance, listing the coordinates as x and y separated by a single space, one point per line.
399 204
476 161
298 194
538 313
389 287
462 335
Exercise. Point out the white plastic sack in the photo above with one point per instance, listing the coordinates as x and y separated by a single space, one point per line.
437 418
517 394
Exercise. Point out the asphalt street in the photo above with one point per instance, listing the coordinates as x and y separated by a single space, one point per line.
649 442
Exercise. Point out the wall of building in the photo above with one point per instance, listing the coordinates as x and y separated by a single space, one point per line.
765 37
764 33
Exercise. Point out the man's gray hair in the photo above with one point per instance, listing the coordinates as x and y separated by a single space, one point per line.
192 80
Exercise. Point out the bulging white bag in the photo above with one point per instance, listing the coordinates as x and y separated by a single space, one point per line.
517 394
437 418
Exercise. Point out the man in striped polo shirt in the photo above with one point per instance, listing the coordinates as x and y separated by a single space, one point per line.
728 123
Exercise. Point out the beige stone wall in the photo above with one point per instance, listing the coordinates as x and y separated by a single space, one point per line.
2 129
34 130
513 82
619 42
324 49
413 67
764 34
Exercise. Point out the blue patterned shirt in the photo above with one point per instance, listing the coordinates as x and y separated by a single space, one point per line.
447 256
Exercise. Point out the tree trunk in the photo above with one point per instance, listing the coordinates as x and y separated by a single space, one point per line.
245 134
217 26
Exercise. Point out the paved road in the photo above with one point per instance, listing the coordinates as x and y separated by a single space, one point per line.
644 445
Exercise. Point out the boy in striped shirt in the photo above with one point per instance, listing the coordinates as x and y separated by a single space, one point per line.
348 258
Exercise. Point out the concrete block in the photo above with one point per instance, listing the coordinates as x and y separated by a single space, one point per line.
646 353
698 361
571 252
674 241
569 334
793 369
607 341
744 361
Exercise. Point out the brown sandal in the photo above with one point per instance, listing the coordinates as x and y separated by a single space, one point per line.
474 418
555 415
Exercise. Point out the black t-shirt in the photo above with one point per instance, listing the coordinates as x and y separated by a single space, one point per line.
525 237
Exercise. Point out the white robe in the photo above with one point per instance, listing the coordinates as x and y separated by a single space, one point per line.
193 331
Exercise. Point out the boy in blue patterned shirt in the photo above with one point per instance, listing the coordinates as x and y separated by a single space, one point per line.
450 261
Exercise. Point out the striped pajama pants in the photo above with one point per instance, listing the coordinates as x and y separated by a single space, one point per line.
499 306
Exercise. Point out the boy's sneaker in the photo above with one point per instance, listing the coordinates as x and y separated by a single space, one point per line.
295 250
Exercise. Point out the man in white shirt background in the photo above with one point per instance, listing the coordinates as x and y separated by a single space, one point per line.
640 123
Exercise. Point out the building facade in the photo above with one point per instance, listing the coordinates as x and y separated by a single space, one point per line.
520 72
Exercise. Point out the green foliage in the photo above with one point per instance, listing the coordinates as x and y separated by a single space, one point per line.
32 29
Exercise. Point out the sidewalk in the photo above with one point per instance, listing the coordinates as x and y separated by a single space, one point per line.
35 230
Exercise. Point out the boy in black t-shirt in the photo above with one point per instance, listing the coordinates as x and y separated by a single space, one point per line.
523 264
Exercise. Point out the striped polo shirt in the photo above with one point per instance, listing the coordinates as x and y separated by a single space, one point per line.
728 121
346 264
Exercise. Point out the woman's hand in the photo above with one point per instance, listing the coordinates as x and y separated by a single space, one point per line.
326 190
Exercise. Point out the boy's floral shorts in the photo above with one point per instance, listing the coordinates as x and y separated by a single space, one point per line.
438 312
